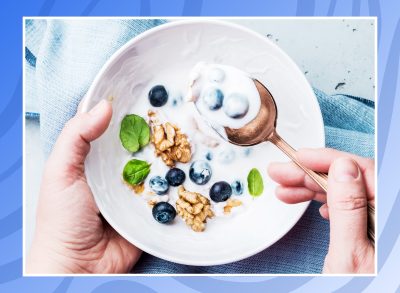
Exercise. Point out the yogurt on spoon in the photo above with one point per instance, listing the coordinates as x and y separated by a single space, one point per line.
223 95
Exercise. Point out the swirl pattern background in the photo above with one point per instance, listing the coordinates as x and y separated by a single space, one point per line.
388 13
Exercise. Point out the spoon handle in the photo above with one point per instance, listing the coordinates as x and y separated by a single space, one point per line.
320 178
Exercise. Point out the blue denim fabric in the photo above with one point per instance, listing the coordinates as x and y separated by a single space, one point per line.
58 74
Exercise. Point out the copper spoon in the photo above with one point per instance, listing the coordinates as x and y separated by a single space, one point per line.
263 128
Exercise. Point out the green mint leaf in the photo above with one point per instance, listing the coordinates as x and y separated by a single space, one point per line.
134 133
135 171
255 182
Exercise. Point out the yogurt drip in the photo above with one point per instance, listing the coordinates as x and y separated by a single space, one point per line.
224 96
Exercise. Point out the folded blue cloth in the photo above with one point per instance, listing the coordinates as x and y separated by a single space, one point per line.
63 57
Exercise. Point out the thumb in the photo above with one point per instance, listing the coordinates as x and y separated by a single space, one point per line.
72 146
347 203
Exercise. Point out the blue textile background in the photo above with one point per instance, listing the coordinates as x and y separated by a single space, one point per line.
67 55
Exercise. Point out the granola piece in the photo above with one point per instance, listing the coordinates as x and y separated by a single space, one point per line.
158 134
152 202
194 209
231 203
190 197
184 205
197 208
137 189
152 115
170 143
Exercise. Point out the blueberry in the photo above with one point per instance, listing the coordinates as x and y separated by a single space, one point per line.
247 152
209 156
213 98
200 172
220 191
159 185
216 75
158 96
237 187
226 156
163 212
175 176
236 106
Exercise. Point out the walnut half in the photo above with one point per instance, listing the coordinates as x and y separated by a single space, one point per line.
231 203
169 142
194 209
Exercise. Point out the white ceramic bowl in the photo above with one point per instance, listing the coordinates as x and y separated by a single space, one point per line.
177 46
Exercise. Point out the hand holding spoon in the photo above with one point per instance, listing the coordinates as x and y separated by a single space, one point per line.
209 83
263 128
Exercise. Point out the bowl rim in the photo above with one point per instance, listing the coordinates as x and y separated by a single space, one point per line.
182 22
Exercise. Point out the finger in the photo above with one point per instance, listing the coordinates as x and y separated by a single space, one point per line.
347 204
80 105
293 195
324 211
289 174
73 144
321 159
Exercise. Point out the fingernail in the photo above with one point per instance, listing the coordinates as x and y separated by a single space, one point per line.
345 170
96 110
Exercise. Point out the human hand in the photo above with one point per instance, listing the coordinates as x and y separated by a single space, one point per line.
351 185
71 236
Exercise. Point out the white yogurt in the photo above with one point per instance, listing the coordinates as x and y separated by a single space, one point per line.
228 162
239 98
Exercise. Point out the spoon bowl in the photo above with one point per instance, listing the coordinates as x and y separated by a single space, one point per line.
262 126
